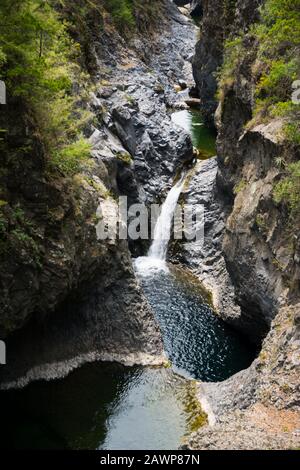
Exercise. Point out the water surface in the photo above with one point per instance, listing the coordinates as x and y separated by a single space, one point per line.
204 138
100 406
199 344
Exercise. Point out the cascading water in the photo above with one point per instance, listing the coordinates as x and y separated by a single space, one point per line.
156 258
162 232
197 342
116 407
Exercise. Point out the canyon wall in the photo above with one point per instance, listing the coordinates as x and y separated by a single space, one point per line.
259 407
65 296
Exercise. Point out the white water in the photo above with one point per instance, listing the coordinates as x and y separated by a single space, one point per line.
162 232
156 258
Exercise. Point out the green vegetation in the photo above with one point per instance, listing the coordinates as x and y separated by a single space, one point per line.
16 231
232 57
39 66
44 48
277 64
70 158
261 222
196 417
276 72
240 186
278 53
121 12
141 14
124 157
288 189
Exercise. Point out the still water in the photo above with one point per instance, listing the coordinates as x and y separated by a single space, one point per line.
100 406
203 138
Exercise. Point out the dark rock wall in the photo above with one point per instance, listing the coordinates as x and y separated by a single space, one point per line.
257 408
220 19
261 253
66 297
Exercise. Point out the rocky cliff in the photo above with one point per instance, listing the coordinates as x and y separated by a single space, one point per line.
219 18
259 407
67 297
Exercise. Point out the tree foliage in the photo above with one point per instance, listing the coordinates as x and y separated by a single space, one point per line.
38 62
42 63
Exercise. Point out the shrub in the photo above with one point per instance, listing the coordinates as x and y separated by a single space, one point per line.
277 66
72 157
288 189
278 35
121 12
232 55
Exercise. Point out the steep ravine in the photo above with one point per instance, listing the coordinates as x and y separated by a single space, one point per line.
86 303
59 306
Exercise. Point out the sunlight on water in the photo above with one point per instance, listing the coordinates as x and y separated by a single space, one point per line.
199 344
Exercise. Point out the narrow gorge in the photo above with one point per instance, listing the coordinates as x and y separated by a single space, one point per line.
137 343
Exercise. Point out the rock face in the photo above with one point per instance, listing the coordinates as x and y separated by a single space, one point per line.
257 408
139 89
50 253
196 6
67 297
255 243
219 19
261 251
206 259
106 319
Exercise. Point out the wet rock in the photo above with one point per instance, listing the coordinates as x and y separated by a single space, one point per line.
206 259
74 288
137 114
257 408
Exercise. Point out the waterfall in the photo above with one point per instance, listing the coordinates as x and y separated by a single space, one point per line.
162 232
156 258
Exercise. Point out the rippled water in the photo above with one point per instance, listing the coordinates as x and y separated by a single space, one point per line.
108 406
198 343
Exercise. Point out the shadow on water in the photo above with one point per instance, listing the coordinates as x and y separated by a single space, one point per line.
100 406
109 406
